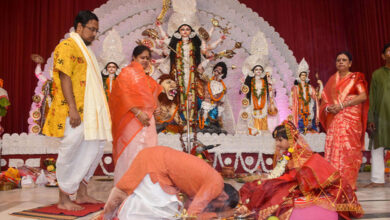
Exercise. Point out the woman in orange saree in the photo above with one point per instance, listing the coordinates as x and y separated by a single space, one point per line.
302 180
343 114
132 102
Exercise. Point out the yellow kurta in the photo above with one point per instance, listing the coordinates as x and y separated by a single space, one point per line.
68 59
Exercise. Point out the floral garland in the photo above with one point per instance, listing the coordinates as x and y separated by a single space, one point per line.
180 77
169 120
255 97
306 100
211 94
303 103
280 167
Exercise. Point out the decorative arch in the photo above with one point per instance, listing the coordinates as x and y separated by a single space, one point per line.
130 17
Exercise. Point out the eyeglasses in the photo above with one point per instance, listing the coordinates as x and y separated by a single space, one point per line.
92 29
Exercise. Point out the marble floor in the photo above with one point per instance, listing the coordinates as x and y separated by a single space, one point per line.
375 202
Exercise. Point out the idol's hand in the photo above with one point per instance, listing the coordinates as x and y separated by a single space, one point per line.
143 118
74 117
200 69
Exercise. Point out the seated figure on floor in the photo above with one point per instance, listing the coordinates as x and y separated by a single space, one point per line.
301 178
149 188
304 101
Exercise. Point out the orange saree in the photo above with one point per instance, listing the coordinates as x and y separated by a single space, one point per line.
345 130
132 88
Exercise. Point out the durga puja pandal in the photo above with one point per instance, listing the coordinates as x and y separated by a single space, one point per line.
217 119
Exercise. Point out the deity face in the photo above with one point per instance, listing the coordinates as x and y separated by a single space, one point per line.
89 31
111 68
281 143
217 72
185 31
143 58
169 88
258 71
303 76
343 63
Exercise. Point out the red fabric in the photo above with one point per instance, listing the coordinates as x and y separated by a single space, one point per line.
316 178
316 30
337 90
88 209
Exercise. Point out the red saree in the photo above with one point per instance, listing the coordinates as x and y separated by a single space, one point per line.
132 88
345 130
309 175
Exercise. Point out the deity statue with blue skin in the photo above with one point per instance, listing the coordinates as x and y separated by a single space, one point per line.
211 107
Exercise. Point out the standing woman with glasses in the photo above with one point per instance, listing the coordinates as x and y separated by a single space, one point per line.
343 114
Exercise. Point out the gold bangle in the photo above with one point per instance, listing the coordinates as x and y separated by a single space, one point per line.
139 112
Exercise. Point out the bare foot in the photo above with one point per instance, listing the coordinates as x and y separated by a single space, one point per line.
68 205
86 199
374 185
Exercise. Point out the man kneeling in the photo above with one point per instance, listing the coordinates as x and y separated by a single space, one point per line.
149 187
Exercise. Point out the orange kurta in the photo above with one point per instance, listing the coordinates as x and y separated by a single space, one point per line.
132 88
345 130
175 170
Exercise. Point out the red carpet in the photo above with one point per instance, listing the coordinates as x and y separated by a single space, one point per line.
52 212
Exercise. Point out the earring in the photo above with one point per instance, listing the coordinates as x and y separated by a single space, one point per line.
193 34
177 35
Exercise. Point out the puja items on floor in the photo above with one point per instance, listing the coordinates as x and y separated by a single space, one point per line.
26 177
50 164
9 179
228 172
387 166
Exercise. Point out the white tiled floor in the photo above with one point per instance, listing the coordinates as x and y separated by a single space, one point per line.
375 202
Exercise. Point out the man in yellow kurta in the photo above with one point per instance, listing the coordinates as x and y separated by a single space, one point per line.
79 114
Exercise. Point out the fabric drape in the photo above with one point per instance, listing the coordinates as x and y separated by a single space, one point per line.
132 89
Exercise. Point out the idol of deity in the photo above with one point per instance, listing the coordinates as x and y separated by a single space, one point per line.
109 74
259 101
212 106
304 100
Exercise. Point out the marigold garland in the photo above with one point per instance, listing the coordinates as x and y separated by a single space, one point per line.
255 98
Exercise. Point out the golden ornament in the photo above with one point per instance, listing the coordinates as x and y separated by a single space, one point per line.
245 102
245 89
36 129
36 115
36 99
244 115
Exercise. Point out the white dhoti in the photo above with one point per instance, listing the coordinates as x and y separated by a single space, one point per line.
377 165
77 158
150 202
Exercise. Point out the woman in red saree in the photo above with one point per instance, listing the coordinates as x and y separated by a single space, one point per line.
343 114
133 100
300 179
